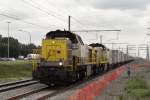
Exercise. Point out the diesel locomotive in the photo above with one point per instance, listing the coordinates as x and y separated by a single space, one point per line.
65 58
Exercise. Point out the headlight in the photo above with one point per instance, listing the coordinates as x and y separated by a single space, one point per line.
60 63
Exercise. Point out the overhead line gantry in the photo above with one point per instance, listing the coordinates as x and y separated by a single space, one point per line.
94 30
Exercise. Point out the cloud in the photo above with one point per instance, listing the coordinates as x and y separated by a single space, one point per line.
126 15
117 4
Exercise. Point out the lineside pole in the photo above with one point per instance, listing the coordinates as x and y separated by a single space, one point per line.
147 52
8 40
69 23
127 52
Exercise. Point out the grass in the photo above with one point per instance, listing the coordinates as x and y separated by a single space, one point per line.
136 83
14 70
141 92
137 89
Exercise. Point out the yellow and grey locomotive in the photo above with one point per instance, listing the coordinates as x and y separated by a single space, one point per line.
65 58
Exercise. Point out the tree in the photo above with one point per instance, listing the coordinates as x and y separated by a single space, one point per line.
16 48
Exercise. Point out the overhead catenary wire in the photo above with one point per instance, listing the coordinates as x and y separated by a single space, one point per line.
36 5
40 9
27 22
79 23
10 13
47 12
8 16
14 16
68 12
62 15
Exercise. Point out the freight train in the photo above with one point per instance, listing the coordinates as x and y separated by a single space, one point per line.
64 58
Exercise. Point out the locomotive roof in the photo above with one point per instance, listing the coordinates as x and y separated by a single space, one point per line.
98 45
59 33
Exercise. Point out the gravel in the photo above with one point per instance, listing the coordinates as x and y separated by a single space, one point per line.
12 93
38 95
110 93
114 90
66 94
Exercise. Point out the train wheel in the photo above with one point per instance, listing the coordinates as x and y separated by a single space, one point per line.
94 72
99 69
82 74
103 68
107 69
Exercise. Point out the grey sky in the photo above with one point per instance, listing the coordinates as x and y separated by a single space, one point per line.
131 16
120 4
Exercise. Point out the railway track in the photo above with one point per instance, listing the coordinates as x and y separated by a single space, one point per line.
43 92
26 94
47 93
73 86
17 84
